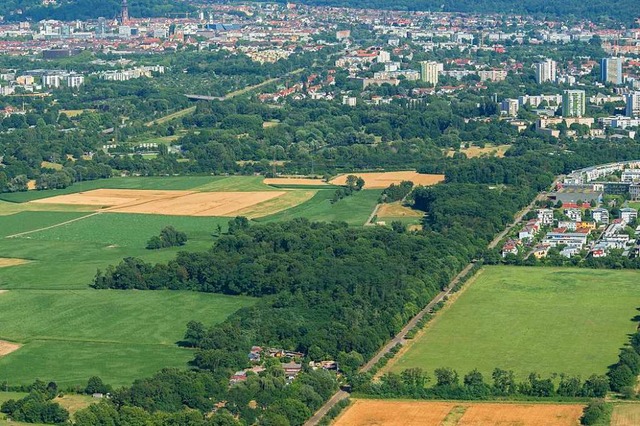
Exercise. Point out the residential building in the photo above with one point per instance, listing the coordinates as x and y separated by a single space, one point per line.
429 71
628 214
384 57
600 215
545 216
75 80
573 103
611 70
633 104
509 107
630 175
349 101
546 71
634 192
52 80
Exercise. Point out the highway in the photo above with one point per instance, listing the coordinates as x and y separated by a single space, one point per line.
399 338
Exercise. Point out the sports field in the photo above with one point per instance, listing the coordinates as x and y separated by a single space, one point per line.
370 412
542 320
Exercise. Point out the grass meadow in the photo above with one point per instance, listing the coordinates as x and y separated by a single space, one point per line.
67 256
119 335
355 209
544 320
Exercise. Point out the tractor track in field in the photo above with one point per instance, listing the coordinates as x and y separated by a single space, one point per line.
33 231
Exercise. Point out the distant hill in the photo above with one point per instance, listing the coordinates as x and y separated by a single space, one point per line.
68 10
622 10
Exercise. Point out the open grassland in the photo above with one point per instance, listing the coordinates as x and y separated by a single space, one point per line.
75 402
527 320
383 180
397 210
354 209
424 413
488 151
626 415
115 334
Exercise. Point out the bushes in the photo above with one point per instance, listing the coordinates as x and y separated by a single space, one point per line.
37 406
597 413
169 237
396 192
623 374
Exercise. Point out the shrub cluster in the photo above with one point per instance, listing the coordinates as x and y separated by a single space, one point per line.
169 237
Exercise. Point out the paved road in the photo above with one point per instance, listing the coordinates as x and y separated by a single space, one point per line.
399 338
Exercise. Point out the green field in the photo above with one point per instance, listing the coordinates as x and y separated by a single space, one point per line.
355 209
118 335
67 256
544 320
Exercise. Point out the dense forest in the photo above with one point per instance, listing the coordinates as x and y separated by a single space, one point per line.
324 289
622 10
69 10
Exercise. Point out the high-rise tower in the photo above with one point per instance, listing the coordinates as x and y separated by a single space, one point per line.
124 18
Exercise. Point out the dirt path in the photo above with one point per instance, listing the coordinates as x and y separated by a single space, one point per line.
52 226
369 221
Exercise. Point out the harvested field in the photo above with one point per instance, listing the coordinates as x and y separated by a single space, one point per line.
394 413
626 415
275 205
385 179
112 197
202 204
426 413
7 347
396 209
182 203
294 181
521 415
6 262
